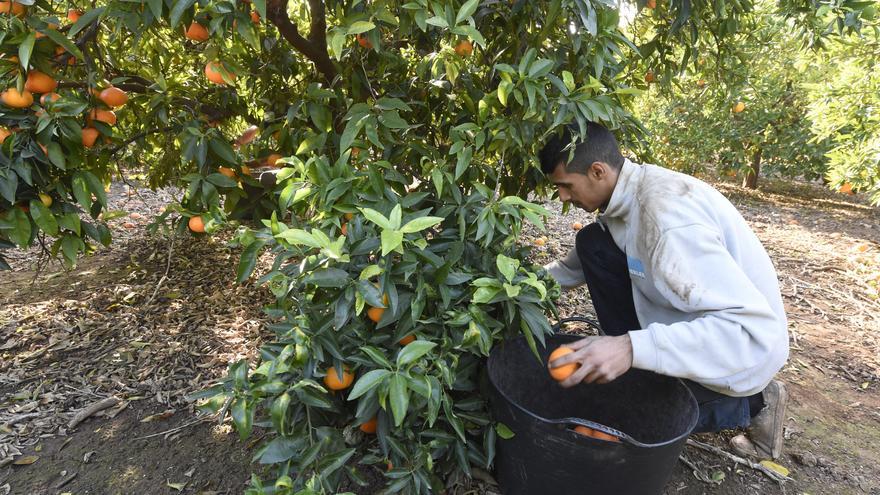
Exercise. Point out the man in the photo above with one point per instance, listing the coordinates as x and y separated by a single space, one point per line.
681 286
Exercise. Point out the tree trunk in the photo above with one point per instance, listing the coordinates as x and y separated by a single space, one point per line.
750 181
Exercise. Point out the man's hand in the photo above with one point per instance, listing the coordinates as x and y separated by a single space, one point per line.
601 359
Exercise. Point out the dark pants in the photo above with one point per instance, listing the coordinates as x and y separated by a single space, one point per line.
607 276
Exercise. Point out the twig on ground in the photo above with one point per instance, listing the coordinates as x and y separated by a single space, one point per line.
21 417
739 460
177 428
697 472
167 269
92 409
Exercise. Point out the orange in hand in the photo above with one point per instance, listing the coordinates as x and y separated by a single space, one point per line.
562 372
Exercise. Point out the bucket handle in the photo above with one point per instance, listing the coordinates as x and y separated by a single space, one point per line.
579 319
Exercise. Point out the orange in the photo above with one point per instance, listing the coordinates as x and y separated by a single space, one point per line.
245 170
701 83
349 216
215 72
228 172
739 107
113 97
4 133
464 48
13 8
248 135
649 76
846 188
331 380
540 241
49 98
45 199
375 314
196 224
583 430
562 372
407 340
50 25
272 159
577 226
197 32
12 98
344 228
369 426
601 435
73 15
364 41
106 116
355 152
255 17
89 136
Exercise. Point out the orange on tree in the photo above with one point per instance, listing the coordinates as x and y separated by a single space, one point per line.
73 15
106 116
649 76
248 135
49 98
375 313
561 372
45 199
332 381
739 107
464 48
407 340
245 170
113 97
272 159
228 172
846 188
50 25
344 228
39 82
364 41
349 216
12 98
89 136
196 224
255 17
369 426
13 8
217 73
4 133
701 83
197 32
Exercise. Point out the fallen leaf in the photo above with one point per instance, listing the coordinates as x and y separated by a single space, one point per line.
775 467
177 486
864 385
160 416
26 460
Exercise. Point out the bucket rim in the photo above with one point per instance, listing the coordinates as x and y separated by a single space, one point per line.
625 438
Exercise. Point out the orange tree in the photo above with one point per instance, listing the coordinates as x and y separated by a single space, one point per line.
383 149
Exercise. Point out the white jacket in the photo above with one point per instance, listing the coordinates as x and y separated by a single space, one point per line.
704 288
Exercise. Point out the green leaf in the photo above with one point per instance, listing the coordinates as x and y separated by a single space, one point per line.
221 180
391 239
17 227
180 7
507 266
224 151
85 19
368 382
399 395
81 191
43 217
503 431
242 417
278 412
25 49
414 351
330 464
359 27
64 42
70 246
420 224
248 260
281 449
328 277
485 294
155 8
376 217
466 10
392 120
300 237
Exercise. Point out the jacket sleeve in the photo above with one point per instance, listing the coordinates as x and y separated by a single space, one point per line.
567 271
736 343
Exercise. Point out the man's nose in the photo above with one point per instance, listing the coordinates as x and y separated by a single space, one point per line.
564 196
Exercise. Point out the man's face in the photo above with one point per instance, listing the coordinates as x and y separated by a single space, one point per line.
590 191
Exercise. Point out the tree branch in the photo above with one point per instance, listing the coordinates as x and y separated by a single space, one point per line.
314 48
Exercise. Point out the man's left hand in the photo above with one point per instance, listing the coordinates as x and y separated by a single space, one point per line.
601 359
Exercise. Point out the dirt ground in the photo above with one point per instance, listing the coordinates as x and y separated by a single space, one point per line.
148 322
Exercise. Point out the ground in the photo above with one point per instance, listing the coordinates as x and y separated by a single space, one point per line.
151 320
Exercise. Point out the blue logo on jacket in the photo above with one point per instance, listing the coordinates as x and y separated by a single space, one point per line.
636 268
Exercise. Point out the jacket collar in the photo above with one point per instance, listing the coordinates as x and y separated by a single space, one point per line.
624 191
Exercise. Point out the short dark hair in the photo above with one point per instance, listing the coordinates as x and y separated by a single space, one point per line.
600 145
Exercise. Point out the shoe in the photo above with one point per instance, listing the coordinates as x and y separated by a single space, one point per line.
764 438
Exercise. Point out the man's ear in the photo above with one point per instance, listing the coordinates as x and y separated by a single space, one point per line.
598 170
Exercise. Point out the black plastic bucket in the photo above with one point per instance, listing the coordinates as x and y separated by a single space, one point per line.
650 413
